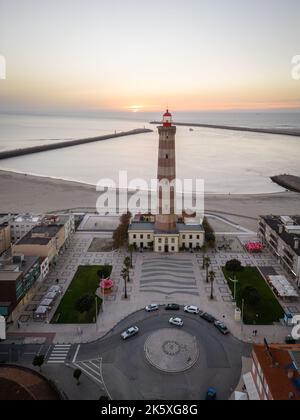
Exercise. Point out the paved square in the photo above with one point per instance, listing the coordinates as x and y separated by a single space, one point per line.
168 275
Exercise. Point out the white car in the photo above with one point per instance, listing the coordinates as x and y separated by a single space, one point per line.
178 322
130 332
152 308
192 310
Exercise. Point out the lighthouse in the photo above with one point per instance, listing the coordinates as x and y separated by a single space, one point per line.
166 219
166 232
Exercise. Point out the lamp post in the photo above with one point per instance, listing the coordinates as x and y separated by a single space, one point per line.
242 324
96 308
234 281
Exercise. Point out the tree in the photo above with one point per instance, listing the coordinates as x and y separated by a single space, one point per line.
251 295
207 265
85 303
210 236
234 266
212 276
77 374
120 235
104 272
38 361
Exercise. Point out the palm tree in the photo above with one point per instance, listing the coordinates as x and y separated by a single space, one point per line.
207 265
127 264
212 276
125 274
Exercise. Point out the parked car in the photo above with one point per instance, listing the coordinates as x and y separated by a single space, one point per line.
221 327
172 307
290 340
192 310
207 317
130 332
211 394
178 322
152 308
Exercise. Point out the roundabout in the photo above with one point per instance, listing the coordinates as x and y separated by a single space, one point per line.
165 363
171 350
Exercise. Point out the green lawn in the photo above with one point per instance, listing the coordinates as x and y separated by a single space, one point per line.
268 307
84 282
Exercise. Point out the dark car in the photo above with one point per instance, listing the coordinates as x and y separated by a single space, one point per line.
207 317
172 307
290 340
221 327
211 394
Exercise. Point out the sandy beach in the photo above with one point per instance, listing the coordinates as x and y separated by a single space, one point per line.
27 193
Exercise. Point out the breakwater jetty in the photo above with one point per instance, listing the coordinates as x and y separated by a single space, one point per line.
277 131
46 147
289 182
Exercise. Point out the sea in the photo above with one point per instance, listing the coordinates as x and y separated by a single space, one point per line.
229 162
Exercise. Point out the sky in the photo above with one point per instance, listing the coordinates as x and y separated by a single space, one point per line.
90 55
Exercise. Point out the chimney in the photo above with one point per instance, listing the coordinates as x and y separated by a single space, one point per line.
296 243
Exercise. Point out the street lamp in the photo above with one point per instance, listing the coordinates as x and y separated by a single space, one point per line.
234 281
242 324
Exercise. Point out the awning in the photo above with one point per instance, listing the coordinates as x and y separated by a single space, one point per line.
251 387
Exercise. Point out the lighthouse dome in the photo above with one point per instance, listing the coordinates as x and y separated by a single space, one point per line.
167 119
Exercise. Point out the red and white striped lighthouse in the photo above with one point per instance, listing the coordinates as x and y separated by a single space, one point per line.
166 218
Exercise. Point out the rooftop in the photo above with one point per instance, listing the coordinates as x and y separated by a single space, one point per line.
181 227
11 271
40 235
276 371
27 217
290 231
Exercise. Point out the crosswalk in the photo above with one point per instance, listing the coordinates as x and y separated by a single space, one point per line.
59 354
93 369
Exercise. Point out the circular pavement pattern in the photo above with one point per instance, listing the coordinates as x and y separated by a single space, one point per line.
171 350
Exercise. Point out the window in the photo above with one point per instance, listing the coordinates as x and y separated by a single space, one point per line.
134 236
191 236
142 236
159 240
183 236
173 241
149 236
173 248
198 236
159 248
167 156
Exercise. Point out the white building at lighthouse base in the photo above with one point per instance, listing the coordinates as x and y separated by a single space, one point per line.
188 235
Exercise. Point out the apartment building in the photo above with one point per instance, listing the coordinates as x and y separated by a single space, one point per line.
275 373
281 234
44 241
18 276
22 224
5 238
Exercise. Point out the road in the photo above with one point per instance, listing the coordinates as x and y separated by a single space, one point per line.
121 370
